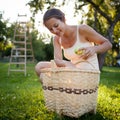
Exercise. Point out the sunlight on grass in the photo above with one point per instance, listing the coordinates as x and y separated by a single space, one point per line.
109 102
113 69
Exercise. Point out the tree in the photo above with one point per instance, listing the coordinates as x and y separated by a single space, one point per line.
3 33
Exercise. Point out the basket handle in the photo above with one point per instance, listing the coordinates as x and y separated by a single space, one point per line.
53 64
85 61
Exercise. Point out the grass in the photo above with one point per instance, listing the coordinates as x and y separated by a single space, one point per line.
21 98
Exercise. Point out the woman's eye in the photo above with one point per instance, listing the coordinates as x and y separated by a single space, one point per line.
56 25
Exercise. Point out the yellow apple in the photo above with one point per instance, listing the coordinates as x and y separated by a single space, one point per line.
78 52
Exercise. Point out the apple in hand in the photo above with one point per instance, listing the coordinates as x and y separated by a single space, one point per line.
78 51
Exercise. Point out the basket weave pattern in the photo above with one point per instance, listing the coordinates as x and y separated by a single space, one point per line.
70 92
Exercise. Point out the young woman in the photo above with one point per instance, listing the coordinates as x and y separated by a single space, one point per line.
69 38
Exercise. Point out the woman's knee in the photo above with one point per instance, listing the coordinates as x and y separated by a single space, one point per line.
38 66
42 65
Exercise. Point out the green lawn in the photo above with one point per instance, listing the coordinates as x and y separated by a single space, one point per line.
21 98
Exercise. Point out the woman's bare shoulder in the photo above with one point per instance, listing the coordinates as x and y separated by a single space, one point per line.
86 29
83 27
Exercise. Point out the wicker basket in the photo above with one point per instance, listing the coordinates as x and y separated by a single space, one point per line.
71 92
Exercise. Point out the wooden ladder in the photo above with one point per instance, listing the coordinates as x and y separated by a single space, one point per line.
18 57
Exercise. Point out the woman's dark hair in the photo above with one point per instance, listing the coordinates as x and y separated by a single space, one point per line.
53 13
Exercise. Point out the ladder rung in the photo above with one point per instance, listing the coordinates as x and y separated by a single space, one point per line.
17 62
19 49
18 56
16 70
22 15
19 42
29 49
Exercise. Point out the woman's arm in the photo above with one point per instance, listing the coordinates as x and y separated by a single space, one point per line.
58 54
57 48
91 35
102 44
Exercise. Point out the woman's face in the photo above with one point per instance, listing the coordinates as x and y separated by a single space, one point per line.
55 26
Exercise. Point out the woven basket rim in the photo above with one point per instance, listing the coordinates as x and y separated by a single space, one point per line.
62 69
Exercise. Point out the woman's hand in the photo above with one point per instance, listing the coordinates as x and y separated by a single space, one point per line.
88 52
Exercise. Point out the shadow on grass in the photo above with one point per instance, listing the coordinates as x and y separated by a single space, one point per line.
87 116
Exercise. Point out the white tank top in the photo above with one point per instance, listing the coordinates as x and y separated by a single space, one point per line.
90 63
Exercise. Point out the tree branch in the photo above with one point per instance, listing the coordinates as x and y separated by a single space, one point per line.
117 18
100 11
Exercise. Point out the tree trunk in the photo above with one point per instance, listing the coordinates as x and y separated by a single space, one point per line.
110 32
101 59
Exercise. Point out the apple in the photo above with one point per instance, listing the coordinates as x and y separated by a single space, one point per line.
78 52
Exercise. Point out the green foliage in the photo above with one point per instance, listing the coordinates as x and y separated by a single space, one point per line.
39 52
5 30
5 48
49 51
2 28
37 5
42 50
116 34
21 98
10 31
110 59
6 35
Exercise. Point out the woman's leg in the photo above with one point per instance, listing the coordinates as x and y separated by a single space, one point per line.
45 64
41 65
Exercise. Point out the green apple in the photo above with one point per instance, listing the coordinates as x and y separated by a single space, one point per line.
78 52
